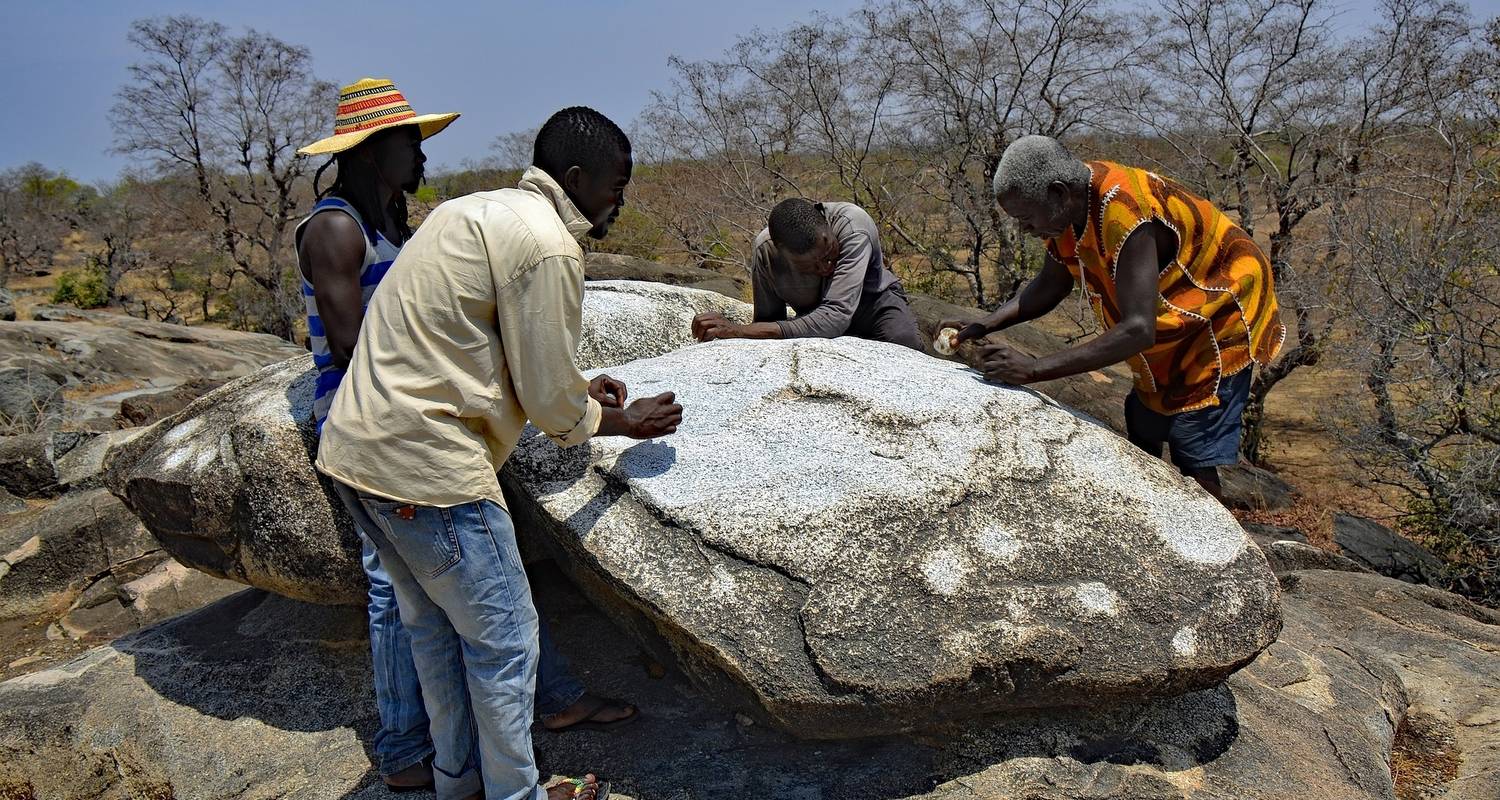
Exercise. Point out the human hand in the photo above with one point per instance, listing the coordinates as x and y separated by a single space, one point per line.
967 330
653 416
712 325
1000 363
609 392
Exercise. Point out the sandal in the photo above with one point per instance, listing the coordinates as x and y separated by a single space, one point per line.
601 788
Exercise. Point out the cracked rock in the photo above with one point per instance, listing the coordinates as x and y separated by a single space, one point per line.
1014 556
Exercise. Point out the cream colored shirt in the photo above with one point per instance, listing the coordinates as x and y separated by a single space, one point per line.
471 333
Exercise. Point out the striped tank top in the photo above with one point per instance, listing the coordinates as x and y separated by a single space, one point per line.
379 253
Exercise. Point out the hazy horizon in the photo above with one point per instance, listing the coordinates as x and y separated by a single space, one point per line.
503 68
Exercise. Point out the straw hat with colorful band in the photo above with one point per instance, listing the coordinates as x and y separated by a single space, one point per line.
368 106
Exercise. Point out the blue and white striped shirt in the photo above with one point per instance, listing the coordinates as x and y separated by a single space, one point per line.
379 253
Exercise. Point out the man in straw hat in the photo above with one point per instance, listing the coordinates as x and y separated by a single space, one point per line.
378 153
344 247
472 335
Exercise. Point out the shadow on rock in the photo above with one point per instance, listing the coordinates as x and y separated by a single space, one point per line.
688 746
290 665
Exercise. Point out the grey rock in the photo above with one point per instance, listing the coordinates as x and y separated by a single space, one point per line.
148 407
1264 534
261 697
1249 487
7 306
1100 394
87 349
1382 550
30 399
49 560
628 320
1317 715
227 486
1289 556
9 503
854 538
255 697
169 589
27 464
82 466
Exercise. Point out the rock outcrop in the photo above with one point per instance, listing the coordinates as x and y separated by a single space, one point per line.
1382 550
121 356
262 697
49 560
227 486
1367 672
861 539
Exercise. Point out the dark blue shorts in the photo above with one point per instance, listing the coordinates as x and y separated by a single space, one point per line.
1208 437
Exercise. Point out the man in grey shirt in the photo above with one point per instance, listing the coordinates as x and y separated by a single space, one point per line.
823 260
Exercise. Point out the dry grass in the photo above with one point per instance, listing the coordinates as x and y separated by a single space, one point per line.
1424 758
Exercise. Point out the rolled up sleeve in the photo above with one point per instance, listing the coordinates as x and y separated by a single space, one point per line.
834 314
540 315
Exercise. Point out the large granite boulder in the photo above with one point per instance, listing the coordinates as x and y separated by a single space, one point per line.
627 320
1375 690
861 539
227 486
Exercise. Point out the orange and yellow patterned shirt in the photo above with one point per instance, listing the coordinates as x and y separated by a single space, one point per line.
1216 309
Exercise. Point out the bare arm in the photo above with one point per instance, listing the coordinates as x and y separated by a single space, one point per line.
1136 282
1038 297
332 253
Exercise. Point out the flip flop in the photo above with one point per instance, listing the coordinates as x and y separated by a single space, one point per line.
588 723
601 791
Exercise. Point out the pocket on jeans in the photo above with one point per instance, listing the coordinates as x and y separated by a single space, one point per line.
422 535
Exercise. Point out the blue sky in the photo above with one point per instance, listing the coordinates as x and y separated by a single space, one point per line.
506 65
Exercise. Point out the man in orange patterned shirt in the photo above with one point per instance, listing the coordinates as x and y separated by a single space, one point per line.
1184 296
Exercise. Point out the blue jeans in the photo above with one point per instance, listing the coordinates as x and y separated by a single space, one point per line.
475 637
402 739
1208 437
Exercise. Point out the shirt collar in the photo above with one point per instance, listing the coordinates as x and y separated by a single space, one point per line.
535 179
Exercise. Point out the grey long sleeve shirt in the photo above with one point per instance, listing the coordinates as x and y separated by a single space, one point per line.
824 306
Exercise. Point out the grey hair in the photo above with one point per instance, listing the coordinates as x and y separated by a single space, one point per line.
1032 163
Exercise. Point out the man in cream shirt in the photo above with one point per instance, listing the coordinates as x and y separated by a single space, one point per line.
471 334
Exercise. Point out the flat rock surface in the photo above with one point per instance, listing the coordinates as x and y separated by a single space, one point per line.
862 539
120 354
262 697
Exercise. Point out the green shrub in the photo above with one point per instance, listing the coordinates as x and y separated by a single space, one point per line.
83 288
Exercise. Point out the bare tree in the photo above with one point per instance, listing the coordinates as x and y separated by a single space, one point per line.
977 74
229 111
38 207
904 108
